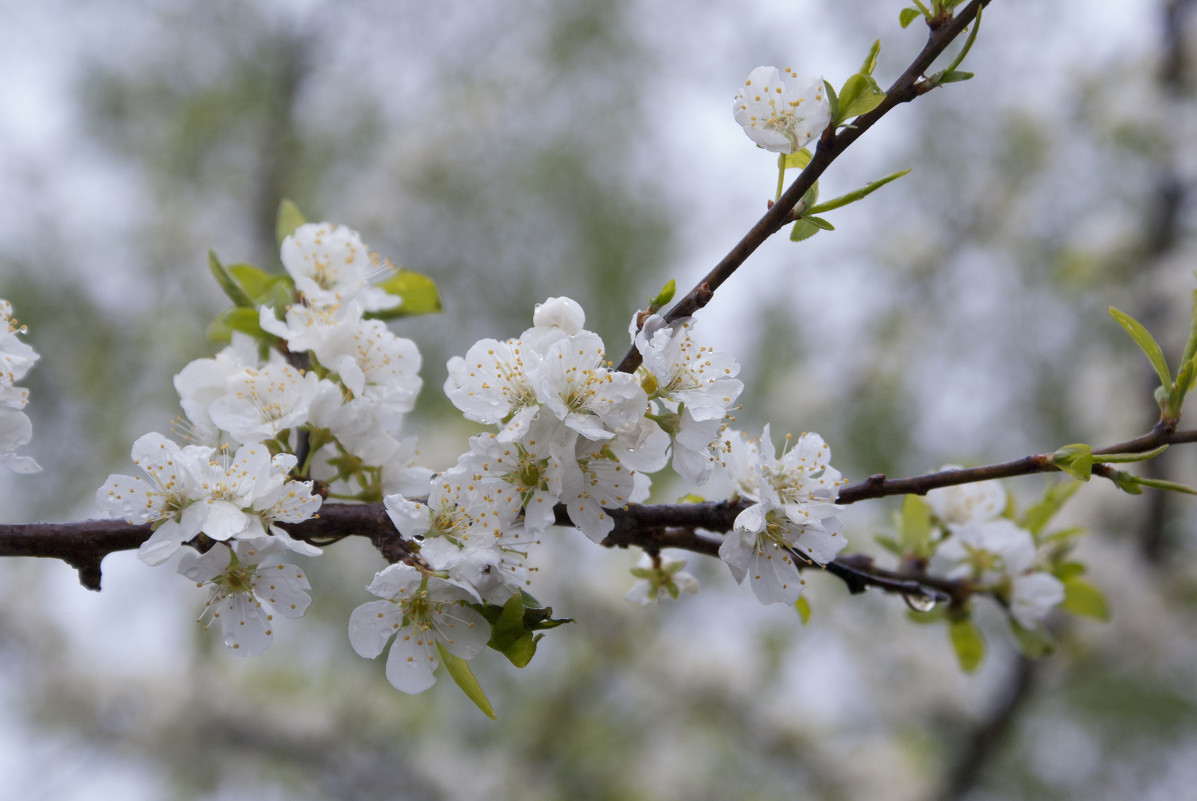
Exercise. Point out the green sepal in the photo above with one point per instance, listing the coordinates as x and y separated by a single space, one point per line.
1054 497
228 283
418 291
967 642
1084 599
859 194
289 218
1075 460
1146 343
859 95
237 318
907 16
459 669
803 608
1033 643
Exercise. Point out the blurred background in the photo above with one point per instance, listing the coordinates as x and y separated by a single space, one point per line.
519 149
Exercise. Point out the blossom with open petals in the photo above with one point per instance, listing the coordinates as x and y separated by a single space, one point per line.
782 113
419 612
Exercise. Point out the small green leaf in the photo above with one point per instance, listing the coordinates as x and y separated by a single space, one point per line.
665 295
797 160
859 95
260 285
418 291
1034 643
907 16
950 76
1067 570
967 642
1138 456
803 607
459 669
891 545
1159 483
1126 482
1146 343
863 192
1054 497
1082 598
870 62
915 527
237 318
803 229
833 100
1075 460
289 218
227 282
820 223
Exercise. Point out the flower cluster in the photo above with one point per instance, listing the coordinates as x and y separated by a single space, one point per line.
991 552
320 394
16 358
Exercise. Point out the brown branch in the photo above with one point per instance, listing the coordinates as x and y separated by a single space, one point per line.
832 144
83 545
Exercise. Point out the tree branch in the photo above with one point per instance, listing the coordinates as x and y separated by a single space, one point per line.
832 144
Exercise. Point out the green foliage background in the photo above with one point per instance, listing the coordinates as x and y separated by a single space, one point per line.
515 151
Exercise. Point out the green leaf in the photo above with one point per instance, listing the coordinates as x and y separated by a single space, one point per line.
891 545
237 318
1054 497
968 643
289 218
1075 460
459 669
819 222
803 607
951 76
1159 483
859 95
1067 570
260 285
1082 598
803 229
1138 456
870 62
907 16
1034 643
863 192
833 100
418 291
227 282
797 160
1146 343
915 526
665 295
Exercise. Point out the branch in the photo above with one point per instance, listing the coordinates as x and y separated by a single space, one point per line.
83 545
832 144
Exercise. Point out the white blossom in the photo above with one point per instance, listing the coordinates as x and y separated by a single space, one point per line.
418 612
585 395
331 265
259 404
967 503
493 384
781 113
247 588
794 512
1032 596
16 359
